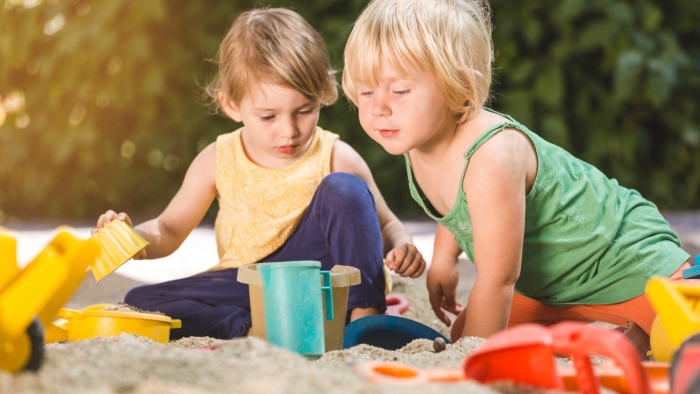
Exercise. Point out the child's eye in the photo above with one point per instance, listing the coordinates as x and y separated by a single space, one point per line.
268 117
401 92
367 93
305 111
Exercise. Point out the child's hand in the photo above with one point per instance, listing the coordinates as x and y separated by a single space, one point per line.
406 260
442 285
108 217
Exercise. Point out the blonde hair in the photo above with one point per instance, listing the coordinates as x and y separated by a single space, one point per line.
450 39
272 46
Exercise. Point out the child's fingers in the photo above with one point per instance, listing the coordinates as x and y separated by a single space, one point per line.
436 304
389 259
419 263
450 299
400 260
415 269
454 308
125 218
106 218
407 265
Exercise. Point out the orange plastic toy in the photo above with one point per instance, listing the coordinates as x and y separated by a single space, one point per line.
525 354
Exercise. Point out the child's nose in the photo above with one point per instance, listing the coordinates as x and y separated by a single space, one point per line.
289 129
380 105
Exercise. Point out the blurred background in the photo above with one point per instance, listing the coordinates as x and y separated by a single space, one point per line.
102 102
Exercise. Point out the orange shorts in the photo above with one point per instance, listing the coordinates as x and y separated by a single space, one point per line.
638 309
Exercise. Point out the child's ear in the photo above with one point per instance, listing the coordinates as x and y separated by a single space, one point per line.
467 76
230 108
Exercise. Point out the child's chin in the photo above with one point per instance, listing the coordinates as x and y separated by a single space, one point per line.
393 149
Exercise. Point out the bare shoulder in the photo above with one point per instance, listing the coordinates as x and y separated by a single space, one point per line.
508 154
508 146
508 143
346 159
207 156
204 165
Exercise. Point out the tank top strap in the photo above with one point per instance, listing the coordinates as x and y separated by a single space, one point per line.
485 137
491 132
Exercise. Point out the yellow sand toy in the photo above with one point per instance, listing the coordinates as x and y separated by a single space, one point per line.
31 297
119 242
678 308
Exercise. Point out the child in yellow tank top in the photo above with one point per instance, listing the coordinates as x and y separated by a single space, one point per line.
287 189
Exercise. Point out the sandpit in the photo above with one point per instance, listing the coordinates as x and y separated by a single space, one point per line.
132 364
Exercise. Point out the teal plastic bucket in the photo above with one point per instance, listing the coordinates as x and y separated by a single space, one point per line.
292 294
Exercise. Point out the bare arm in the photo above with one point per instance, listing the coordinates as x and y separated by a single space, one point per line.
443 276
398 243
184 212
495 185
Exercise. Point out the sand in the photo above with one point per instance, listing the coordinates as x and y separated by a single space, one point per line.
123 307
133 364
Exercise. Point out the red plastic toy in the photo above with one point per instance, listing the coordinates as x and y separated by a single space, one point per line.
525 354
685 370
396 305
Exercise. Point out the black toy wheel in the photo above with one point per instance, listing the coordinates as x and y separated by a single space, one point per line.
35 331
677 356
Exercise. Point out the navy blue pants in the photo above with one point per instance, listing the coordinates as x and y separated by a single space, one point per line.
339 227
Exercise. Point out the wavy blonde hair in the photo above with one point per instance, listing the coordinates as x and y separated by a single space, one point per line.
276 46
450 39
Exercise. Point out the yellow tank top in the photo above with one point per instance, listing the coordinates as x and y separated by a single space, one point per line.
259 207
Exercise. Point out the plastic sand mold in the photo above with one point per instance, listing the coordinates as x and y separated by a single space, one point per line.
93 322
118 242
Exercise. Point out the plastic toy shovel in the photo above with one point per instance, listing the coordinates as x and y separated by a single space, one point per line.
118 242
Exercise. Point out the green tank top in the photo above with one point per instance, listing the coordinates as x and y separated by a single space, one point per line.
587 239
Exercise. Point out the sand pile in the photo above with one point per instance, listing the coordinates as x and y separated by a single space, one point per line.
132 364
122 307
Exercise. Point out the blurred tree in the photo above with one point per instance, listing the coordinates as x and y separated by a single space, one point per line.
104 110
617 83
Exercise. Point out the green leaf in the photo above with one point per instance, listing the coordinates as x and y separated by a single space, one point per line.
627 73
554 130
549 87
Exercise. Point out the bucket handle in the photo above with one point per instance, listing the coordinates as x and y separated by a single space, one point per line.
328 293
68 314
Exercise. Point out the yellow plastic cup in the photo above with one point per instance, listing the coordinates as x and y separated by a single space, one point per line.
118 242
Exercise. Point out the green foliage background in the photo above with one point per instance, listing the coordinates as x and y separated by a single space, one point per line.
114 108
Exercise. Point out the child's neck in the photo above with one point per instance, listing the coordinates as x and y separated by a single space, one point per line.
435 149
456 136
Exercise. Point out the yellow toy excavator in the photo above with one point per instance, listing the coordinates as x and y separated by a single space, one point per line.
31 297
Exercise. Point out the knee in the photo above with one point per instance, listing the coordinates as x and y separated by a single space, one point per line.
348 188
137 296
458 326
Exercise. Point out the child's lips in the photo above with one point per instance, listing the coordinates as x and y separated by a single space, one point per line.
287 148
387 133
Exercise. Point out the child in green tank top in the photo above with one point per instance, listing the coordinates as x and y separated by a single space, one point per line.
552 237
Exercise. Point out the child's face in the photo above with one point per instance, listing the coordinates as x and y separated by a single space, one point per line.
279 123
404 112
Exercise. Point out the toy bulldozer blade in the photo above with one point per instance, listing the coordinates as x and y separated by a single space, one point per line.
31 297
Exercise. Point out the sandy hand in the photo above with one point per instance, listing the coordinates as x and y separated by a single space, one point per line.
406 260
110 215
442 285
